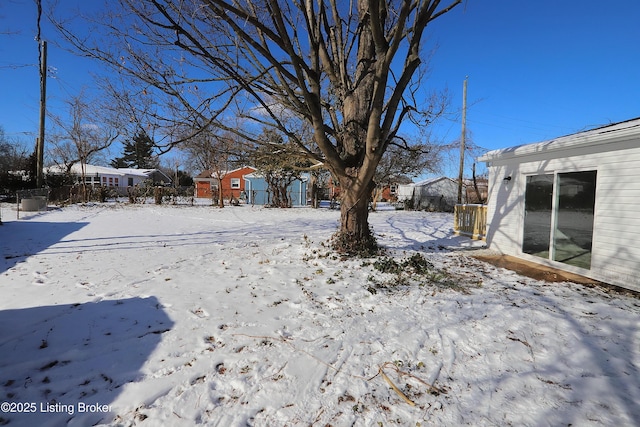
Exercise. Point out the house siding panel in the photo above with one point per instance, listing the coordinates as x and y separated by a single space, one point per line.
505 233
228 191
616 256
615 251
206 179
258 190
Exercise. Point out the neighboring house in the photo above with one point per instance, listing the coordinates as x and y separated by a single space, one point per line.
257 192
204 184
572 203
434 194
388 191
112 177
156 176
469 191
233 183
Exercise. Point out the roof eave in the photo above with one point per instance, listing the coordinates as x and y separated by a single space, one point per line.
594 137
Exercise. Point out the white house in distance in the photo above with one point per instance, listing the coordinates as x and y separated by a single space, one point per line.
572 203
112 177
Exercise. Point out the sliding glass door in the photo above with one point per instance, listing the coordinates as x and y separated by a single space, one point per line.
538 201
573 232
558 217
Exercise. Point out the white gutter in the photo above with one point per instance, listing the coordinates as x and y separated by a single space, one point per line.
619 132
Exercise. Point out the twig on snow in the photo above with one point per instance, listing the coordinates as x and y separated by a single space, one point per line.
393 386
433 389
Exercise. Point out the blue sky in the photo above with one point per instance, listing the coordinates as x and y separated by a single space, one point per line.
536 69
540 69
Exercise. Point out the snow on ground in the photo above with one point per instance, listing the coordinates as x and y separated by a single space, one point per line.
177 316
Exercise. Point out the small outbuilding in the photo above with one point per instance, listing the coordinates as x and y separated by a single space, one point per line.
571 203
438 194
258 192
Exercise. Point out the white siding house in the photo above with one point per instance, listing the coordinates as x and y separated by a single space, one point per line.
433 194
112 177
572 203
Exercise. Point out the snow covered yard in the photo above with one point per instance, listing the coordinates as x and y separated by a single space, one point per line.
173 315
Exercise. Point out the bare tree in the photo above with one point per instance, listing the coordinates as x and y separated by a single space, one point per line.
348 69
280 163
215 151
79 137
403 160
15 165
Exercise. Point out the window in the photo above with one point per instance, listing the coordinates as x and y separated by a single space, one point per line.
235 182
558 217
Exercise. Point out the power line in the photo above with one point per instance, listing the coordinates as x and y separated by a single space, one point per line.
16 66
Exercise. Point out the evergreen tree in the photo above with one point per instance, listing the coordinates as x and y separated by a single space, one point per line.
119 162
137 153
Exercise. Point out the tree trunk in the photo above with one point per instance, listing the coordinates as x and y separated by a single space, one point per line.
157 194
314 191
284 197
356 184
355 236
377 195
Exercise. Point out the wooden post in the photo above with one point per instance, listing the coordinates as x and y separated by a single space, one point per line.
456 218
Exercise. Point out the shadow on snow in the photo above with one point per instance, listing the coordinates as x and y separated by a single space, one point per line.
63 356
21 239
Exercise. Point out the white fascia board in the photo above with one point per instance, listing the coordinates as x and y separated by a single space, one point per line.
600 136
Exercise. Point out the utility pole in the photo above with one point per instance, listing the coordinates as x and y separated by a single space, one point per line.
42 49
462 139
43 112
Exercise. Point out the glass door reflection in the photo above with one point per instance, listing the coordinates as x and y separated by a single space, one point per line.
538 200
573 234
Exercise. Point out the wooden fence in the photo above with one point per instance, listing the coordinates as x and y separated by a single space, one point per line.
471 221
